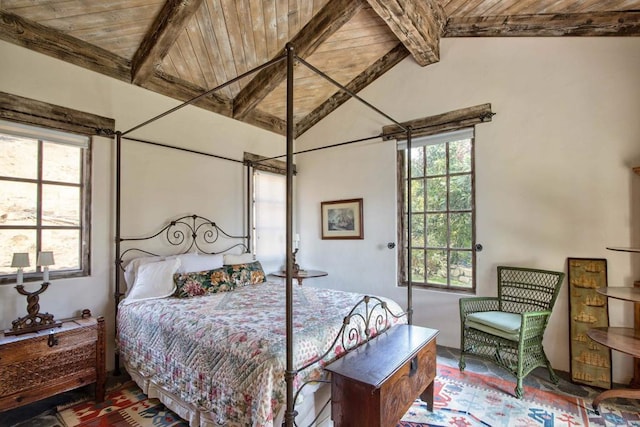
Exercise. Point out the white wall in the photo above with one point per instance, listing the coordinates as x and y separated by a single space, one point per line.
158 183
553 169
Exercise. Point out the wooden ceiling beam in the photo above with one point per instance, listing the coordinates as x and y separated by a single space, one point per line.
39 38
59 45
377 69
182 90
327 21
266 121
34 112
166 28
445 122
417 24
623 23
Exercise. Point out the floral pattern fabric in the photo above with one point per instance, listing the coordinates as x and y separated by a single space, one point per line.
246 274
223 279
224 353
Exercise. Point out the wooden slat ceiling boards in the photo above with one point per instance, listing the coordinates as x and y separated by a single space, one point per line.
181 48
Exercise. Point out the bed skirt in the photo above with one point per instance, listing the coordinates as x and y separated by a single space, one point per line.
311 405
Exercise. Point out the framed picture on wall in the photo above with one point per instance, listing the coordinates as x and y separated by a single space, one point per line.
342 219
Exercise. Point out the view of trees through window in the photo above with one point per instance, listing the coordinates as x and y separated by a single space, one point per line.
442 214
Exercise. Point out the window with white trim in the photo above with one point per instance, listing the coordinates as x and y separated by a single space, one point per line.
440 176
269 219
45 187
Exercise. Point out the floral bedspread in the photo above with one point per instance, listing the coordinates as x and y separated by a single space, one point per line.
226 353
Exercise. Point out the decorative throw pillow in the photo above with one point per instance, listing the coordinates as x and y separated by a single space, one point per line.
202 283
246 274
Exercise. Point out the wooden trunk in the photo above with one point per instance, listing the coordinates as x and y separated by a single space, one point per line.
376 384
37 365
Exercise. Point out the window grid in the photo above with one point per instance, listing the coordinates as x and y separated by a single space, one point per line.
427 248
84 219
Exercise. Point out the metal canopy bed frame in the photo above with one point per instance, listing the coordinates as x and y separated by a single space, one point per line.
188 229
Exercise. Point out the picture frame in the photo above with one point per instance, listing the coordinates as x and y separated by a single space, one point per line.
590 361
342 219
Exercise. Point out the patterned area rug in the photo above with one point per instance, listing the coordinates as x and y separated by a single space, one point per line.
461 400
470 400
123 407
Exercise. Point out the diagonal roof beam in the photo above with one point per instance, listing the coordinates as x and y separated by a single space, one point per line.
378 68
417 24
59 45
327 21
622 23
182 90
169 23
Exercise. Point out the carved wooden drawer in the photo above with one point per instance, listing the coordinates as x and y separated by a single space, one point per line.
376 384
44 363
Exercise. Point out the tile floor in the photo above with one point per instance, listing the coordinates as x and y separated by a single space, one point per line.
42 414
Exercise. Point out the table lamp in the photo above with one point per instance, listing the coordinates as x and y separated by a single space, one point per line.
34 320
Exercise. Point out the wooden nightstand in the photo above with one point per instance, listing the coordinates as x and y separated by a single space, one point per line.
40 364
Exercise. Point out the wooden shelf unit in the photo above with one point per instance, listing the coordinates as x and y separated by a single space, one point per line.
625 340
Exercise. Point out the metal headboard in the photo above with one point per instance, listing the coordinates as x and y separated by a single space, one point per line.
186 234
183 234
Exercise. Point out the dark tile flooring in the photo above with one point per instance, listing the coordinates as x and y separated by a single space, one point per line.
42 414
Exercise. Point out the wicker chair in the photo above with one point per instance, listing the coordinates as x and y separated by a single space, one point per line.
508 329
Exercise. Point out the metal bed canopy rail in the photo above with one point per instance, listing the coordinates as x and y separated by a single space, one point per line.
291 58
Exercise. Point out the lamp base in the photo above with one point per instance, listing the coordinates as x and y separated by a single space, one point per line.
32 323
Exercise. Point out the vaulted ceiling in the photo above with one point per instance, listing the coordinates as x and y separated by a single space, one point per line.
182 48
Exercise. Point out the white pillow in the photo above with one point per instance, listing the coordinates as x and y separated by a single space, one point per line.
231 259
192 263
131 269
154 280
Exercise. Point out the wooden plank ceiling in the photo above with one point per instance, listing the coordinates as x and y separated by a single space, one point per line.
182 48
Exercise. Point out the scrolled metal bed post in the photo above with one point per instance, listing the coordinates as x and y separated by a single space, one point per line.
116 295
289 415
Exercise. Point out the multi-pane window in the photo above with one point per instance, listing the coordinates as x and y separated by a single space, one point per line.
440 175
44 182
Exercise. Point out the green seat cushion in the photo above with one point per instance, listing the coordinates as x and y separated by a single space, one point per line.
500 323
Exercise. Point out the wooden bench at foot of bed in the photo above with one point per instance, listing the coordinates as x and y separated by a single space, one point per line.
375 384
